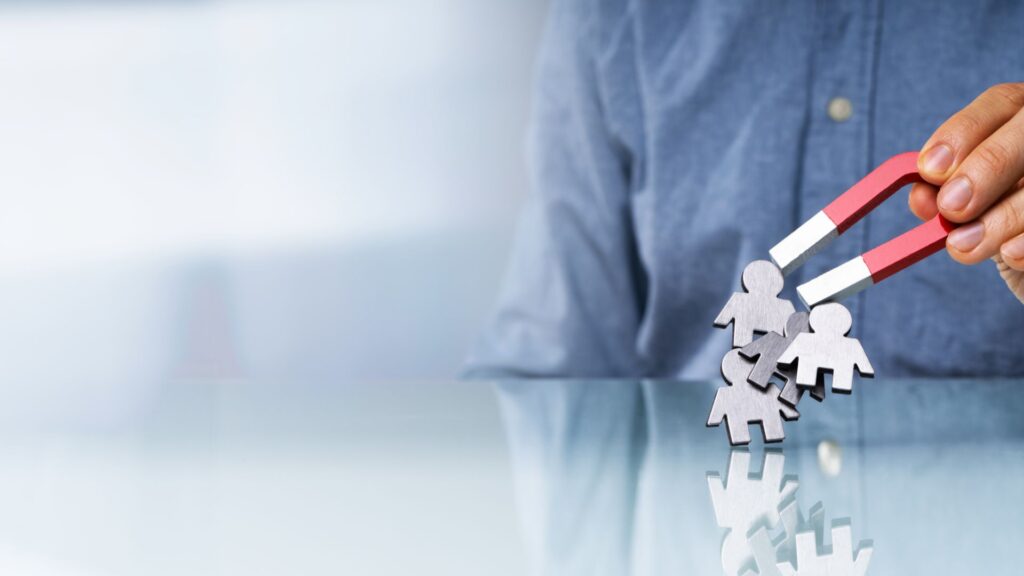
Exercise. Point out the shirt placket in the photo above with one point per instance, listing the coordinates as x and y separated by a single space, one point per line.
837 147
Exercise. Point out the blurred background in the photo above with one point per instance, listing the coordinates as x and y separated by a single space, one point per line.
237 240
320 190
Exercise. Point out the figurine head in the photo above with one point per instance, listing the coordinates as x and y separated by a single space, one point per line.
831 318
762 276
736 368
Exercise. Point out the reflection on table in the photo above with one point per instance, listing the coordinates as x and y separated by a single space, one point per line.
624 478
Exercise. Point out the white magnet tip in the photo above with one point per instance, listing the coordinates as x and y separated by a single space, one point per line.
838 283
803 242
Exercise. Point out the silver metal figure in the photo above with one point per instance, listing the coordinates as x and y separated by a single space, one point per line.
767 349
792 393
757 309
741 404
827 348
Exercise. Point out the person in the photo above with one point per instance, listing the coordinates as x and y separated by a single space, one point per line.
672 143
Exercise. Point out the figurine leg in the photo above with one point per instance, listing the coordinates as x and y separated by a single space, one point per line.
842 380
772 429
806 374
739 432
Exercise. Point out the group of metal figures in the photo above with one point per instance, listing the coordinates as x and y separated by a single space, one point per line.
772 342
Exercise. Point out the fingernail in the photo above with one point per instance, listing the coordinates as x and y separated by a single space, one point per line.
955 195
967 238
937 159
1014 249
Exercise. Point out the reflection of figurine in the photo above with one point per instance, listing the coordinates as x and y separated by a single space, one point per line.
757 309
743 501
765 553
768 535
782 538
841 561
610 479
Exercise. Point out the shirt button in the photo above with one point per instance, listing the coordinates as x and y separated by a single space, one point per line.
840 109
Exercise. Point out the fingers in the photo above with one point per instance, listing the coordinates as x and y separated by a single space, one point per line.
1012 252
978 154
947 148
922 200
977 157
986 174
997 231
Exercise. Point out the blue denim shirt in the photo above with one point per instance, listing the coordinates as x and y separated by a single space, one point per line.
673 142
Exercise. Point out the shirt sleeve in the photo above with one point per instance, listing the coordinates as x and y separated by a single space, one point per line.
570 304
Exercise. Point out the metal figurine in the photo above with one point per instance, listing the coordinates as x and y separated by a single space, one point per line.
741 404
793 393
757 309
826 347
767 349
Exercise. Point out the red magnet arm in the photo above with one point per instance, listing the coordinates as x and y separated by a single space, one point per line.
878 264
908 248
845 211
871 267
872 190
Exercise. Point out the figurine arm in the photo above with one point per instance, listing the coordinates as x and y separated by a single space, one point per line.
755 348
862 363
727 314
717 410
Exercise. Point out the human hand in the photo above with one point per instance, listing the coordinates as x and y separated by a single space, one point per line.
973 167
